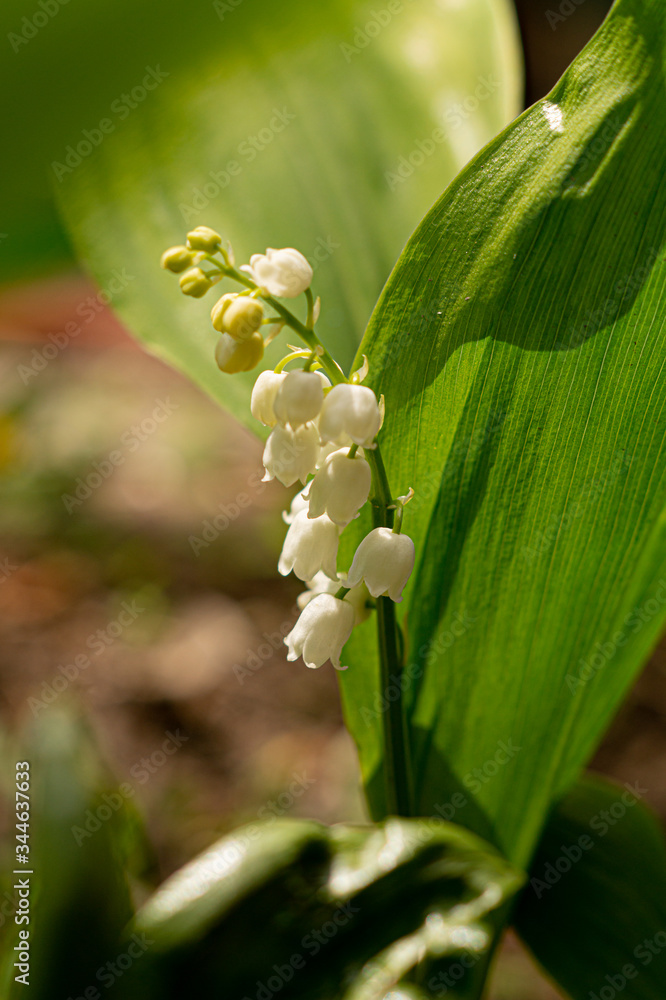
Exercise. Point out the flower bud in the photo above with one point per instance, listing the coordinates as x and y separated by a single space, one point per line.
350 414
290 455
340 487
300 398
242 317
219 309
311 545
176 259
263 397
204 238
233 356
195 283
358 597
285 273
384 561
321 631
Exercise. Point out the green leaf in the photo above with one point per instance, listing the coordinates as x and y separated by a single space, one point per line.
594 912
281 136
519 344
295 902
78 839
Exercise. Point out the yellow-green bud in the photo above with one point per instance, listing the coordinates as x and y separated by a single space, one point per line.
176 259
242 318
204 238
234 356
219 309
194 282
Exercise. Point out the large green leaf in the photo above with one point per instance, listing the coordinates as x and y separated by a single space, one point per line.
594 912
60 75
80 833
342 912
519 343
303 114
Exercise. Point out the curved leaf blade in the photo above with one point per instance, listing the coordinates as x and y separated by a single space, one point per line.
594 912
342 912
530 421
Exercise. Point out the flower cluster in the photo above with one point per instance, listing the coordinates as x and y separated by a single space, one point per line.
323 431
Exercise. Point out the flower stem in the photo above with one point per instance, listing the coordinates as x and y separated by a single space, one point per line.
397 770
397 758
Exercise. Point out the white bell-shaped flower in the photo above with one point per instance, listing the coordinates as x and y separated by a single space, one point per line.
325 451
321 631
311 545
263 397
384 561
298 504
300 397
340 487
291 455
285 273
350 413
358 597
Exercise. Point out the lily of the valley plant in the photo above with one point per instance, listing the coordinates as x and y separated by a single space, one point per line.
324 429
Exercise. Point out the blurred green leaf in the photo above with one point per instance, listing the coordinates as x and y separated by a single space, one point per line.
594 912
340 912
519 347
283 135
80 838
60 75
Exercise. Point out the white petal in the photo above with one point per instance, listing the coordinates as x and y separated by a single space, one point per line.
384 561
350 413
340 487
322 630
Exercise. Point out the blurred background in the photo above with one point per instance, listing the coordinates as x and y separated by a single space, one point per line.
147 580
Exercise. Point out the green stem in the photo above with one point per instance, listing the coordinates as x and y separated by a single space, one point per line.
395 735
397 768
